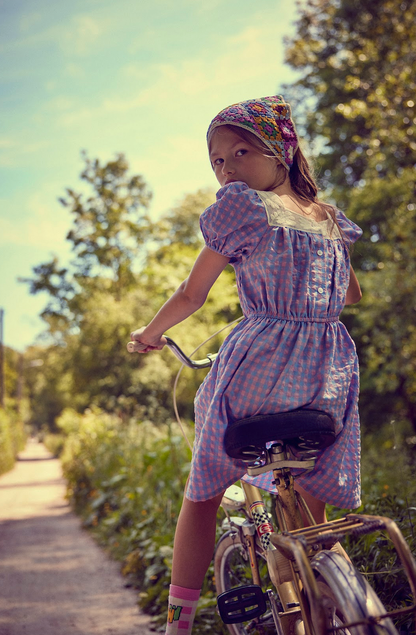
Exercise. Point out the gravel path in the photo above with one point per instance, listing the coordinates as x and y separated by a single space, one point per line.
54 580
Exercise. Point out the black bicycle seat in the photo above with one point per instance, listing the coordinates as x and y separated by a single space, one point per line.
300 429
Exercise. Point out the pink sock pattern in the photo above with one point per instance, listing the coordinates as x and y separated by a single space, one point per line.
181 610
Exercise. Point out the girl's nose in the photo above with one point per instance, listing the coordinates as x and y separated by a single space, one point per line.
227 168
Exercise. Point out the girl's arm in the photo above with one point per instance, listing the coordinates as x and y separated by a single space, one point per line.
187 299
354 294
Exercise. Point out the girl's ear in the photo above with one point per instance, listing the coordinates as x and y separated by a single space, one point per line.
281 172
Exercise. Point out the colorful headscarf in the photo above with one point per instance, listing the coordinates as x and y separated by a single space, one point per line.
269 118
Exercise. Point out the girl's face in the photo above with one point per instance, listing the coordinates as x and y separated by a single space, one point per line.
234 159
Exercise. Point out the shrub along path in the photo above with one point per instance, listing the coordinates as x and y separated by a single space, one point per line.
53 577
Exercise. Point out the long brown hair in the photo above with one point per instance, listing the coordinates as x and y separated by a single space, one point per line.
301 175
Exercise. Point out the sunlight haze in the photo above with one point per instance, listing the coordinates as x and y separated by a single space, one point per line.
144 79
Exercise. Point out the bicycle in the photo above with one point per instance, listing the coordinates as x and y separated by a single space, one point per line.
317 591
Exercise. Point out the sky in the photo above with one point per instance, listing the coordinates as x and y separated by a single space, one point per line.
114 76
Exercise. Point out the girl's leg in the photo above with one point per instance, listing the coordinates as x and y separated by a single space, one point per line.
192 552
194 542
316 506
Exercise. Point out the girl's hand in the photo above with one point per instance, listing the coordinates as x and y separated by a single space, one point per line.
146 344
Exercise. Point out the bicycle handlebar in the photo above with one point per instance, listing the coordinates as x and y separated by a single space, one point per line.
133 347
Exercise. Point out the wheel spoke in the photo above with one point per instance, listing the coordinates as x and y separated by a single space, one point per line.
348 599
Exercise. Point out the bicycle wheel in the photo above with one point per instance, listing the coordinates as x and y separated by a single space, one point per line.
348 597
232 569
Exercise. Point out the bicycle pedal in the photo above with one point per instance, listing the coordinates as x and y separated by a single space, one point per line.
241 604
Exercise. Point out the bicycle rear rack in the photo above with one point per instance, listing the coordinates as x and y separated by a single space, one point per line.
298 544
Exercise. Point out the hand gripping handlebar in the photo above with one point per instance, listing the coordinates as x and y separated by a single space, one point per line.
134 347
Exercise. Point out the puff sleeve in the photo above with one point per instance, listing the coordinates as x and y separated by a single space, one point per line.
234 225
350 230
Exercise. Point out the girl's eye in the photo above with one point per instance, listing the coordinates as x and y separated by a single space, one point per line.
241 152
217 161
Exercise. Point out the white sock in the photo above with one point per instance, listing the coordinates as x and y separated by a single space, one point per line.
181 610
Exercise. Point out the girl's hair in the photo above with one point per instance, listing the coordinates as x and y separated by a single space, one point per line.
300 174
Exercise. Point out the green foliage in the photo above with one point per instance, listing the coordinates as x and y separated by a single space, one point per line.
109 230
164 272
53 442
357 63
109 227
15 397
124 268
356 92
12 369
383 327
181 224
15 413
127 480
7 450
47 384
12 438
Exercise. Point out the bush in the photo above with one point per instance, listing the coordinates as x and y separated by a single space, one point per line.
127 481
12 438
55 443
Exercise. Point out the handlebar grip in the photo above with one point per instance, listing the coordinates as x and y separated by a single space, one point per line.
134 347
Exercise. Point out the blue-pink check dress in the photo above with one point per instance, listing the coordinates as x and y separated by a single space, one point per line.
290 350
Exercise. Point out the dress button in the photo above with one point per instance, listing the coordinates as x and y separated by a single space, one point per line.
319 252
320 290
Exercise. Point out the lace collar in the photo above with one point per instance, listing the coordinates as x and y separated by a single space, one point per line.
279 216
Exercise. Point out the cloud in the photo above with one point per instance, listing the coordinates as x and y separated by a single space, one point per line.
29 20
251 56
82 35
60 103
79 36
43 223
6 142
158 113
74 70
18 151
144 78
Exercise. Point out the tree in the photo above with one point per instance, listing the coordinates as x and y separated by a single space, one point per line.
108 236
181 224
384 326
47 384
124 269
177 242
357 94
358 65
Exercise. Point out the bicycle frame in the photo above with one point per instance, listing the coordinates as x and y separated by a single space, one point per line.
283 576
289 554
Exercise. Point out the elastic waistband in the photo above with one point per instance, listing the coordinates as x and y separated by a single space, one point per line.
289 318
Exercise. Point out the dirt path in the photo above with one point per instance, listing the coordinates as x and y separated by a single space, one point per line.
54 580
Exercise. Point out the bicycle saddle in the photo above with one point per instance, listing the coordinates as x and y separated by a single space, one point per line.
302 430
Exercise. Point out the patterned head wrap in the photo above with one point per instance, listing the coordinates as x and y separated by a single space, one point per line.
269 118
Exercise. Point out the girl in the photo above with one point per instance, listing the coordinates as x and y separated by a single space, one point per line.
290 255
